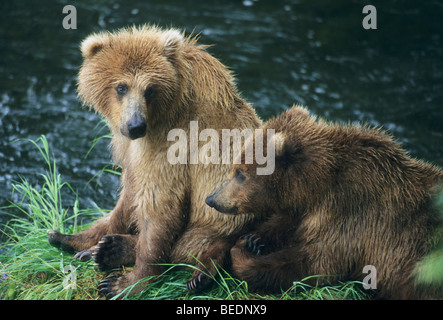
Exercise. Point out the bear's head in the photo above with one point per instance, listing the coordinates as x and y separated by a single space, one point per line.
245 190
302 170
132 77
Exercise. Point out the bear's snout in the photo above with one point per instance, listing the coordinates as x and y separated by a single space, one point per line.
136 127
210 200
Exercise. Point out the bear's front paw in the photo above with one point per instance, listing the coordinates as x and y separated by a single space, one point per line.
107 253
252 244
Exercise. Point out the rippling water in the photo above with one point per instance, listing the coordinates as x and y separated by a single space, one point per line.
314 53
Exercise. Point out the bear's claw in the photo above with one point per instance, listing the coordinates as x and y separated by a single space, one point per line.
252 245
107 285
83 255
198 283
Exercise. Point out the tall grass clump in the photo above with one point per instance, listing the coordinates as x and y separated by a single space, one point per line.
43 205
31 268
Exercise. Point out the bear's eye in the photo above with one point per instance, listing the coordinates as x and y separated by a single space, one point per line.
239 176
121 89
148 93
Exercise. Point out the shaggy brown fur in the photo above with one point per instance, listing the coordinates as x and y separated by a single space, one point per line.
146 81
341 197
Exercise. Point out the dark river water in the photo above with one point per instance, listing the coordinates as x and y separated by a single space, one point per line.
314 53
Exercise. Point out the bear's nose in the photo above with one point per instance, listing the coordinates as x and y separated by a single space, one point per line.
210 201
136 126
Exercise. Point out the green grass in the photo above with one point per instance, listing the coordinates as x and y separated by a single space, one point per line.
430 269
31 269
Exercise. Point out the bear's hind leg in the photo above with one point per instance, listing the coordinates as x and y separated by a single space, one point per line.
118 221
82 241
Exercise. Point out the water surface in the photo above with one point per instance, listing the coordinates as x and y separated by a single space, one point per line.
314 53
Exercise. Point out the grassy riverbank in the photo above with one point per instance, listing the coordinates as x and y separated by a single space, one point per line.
31 269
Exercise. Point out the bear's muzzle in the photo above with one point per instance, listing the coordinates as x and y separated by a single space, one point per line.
135 127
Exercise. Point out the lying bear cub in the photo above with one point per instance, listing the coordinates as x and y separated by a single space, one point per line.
341 198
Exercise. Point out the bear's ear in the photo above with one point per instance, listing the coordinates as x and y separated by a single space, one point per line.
286 149
93 44
278 140
173 41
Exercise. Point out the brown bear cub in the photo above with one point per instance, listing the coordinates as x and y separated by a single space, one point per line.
340 198
145 82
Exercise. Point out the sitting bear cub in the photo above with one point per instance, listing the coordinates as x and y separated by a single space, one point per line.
146 82
341 198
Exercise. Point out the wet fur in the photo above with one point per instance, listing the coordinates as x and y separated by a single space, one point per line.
161 204
341 197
